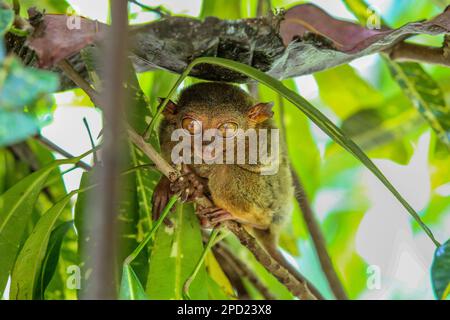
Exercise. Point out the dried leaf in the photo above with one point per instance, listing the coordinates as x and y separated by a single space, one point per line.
306 41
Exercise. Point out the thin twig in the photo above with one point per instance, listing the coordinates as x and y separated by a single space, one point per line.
91 139
318 239
160 10
405 51
311 223
73 75
49 144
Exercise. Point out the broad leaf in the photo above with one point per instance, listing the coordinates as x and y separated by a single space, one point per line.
345 92
53 6
52 257
23 85
174 256
16 206
219 287
27 269
84 242
223 9
425 94
440 271
16 126
418 86
130 286
6 20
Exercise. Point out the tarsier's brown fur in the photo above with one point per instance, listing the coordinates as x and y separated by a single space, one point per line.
261 203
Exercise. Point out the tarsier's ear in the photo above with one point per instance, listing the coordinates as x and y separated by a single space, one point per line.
170 110
260 112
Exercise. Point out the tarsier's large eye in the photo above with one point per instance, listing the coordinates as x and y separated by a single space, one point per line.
228 129
193 126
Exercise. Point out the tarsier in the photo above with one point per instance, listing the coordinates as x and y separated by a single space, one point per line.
261 203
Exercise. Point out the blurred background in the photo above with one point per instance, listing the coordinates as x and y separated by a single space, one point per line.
379 252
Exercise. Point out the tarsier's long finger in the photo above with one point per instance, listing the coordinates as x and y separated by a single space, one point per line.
221 217
155 206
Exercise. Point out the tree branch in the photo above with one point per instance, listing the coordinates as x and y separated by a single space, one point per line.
61 151
243 271
311 223
405 51
318 239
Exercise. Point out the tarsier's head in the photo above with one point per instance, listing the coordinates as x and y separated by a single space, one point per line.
216 113
216 105
218 119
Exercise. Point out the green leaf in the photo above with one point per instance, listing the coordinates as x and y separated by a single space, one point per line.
130 226
174 256
223 9
219 286
24 102
27 269
84 242
22 86
16 126
6 20
215 292
314 115
50 6
146 180
52 256
16 206
441 3
440 270
346 97
425 94
130 286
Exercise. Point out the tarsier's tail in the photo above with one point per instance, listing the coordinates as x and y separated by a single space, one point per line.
269 243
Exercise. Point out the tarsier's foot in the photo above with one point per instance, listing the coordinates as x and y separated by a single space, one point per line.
210 217
189 185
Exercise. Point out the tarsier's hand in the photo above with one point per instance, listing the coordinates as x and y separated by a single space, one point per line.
189 185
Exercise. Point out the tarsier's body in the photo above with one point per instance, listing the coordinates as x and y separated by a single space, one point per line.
239 191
